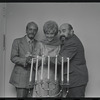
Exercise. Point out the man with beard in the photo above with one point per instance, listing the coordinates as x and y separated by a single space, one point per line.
23 49
72 47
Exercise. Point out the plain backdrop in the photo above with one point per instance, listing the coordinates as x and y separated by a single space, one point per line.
2 51
85 19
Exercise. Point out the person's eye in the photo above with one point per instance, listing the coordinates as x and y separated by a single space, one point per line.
47 33
52 33
29 29
59 31
63 30
35 30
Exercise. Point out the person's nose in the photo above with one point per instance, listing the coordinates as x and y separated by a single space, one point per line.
32 31
62 34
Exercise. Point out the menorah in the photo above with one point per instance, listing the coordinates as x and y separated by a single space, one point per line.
62 84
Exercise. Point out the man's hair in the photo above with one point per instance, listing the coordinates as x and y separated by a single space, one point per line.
31 23
50 26
69 26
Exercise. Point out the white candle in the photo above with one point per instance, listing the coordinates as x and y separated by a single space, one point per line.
48 66
67 70
30 79
62 66
42 68
56 68
36 68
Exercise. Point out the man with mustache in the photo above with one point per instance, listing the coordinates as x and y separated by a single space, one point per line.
23 49
72 47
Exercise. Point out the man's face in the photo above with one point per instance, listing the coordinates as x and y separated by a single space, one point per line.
50 36
64 32
31 31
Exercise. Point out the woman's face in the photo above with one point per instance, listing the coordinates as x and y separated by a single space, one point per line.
50 36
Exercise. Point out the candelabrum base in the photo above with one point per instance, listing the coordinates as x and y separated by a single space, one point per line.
63 85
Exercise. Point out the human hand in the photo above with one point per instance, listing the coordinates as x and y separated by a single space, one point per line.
28 59
28 54
35 57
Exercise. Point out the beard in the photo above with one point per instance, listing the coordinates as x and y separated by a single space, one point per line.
31 36
62 38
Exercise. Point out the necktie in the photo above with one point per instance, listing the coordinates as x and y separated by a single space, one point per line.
31 46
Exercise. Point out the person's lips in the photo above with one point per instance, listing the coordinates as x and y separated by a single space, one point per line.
62 37
50 39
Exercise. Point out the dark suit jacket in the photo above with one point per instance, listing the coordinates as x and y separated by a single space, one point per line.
20 74
74 49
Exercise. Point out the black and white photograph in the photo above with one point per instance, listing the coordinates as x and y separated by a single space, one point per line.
50 50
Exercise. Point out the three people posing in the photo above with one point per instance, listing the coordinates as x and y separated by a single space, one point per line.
65 44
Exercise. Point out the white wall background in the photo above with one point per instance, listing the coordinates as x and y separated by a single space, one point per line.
85 18
2 51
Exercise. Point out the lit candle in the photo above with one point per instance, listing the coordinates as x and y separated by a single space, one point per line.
67 70
62 70
42 68
36 68
30 79
56 68
48 66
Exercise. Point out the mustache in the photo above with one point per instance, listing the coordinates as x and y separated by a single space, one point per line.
62 37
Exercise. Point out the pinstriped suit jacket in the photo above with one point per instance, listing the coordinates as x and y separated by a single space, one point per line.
21 71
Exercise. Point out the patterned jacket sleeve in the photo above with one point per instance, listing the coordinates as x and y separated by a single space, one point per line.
15 58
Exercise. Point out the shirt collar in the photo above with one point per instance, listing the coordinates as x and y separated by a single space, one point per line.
28 40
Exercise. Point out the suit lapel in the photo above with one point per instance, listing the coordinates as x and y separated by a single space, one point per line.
25 44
